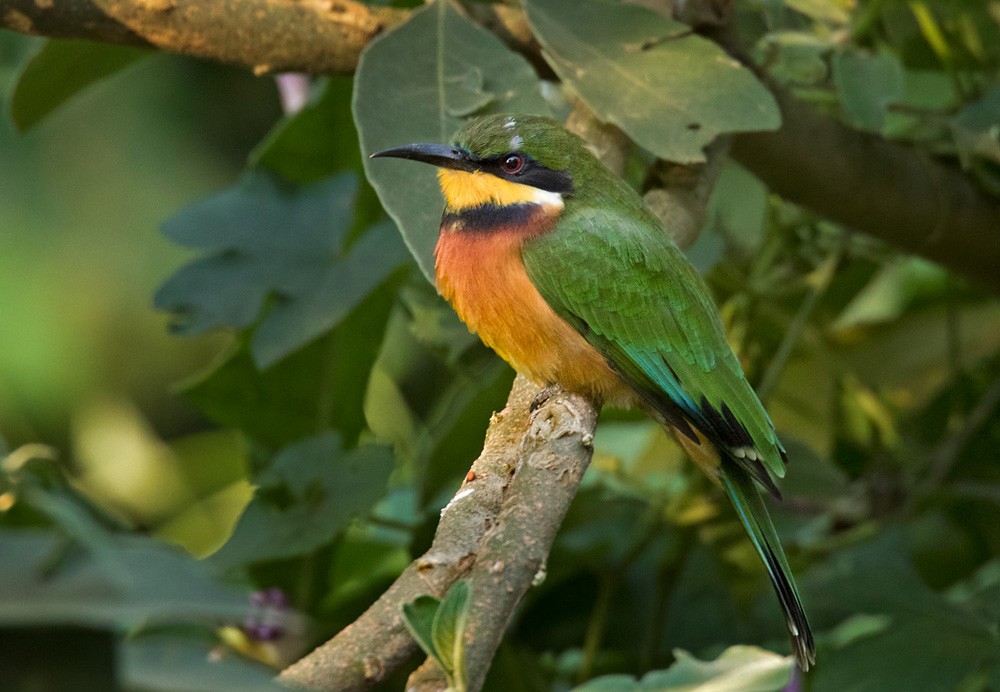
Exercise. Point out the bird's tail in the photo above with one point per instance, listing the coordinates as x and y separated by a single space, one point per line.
749 504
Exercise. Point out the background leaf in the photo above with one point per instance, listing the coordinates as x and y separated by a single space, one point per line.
867 84
672 91
737 669
416 83
307 496
271 240
61 69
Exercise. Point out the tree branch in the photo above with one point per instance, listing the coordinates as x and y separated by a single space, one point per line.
314 36
893 192
497 530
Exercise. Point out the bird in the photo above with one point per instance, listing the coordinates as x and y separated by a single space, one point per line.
561 268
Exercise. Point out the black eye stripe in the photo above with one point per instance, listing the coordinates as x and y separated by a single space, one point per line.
530 173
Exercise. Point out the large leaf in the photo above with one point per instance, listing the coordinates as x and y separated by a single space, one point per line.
930 643
416 83
315 141
129 580
178 664
738 669
670 90
61 69
867 84
317 386
306 497
267 238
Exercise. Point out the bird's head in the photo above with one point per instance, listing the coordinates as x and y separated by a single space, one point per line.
505 160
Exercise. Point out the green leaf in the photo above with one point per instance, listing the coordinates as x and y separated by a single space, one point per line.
415 84
911 356
430 389
317 385
316 141
418 616
449 631
183 664
670 90
46 582
867 84
931 643
833 11
307 496
738 206
61 69
738 669
891 291
976 129
269 239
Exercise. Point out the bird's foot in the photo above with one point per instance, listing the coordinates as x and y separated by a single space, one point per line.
543 396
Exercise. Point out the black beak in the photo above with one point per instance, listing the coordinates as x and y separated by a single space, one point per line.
439 155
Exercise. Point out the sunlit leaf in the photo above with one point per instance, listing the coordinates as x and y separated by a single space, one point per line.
418 616
672 91
833 11
60 70
894 288
415 84
910 357
449 631
737 669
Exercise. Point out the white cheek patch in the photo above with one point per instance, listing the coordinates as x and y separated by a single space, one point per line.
551 200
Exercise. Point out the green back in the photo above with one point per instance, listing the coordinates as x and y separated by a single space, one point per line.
612 272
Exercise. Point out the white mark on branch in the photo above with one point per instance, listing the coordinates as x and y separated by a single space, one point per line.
458 496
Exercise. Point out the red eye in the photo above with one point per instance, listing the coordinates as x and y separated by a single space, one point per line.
512 164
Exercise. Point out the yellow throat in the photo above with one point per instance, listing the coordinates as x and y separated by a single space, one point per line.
464 190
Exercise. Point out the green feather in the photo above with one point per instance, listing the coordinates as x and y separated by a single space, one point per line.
620 281
753 514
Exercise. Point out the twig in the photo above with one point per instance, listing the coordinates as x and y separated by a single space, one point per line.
945 455
823 276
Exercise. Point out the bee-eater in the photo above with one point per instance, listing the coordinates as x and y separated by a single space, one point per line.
561 268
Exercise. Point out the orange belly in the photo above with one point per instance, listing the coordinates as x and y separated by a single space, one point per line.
483 277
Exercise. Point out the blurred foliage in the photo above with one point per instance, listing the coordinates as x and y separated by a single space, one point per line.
337 402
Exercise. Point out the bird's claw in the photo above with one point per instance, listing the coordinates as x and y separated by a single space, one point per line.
542 397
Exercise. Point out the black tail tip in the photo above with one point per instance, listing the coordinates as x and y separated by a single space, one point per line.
804 648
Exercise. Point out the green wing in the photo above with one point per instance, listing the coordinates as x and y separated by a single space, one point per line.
624 285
